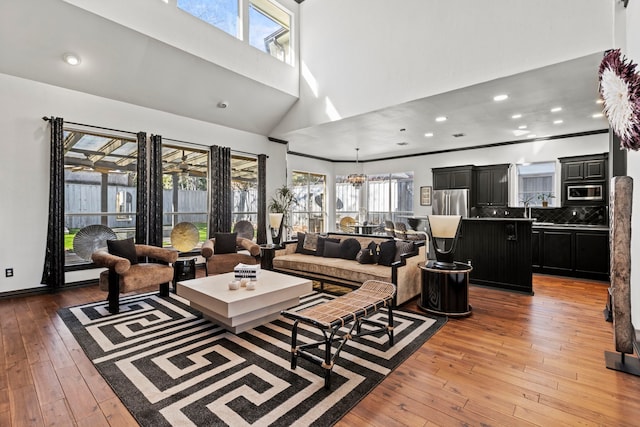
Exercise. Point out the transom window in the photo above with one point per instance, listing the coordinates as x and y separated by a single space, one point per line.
268 25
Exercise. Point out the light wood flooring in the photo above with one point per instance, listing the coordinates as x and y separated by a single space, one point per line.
517 360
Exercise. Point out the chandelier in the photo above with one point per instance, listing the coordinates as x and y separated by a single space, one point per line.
356 179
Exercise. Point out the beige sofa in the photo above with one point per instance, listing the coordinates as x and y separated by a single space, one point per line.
405 273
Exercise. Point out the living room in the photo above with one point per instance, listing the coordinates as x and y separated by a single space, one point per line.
572 29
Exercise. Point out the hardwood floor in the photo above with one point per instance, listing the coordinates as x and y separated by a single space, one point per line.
518 360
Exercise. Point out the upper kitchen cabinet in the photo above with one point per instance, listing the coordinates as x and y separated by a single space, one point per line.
491 185
453 177
584 180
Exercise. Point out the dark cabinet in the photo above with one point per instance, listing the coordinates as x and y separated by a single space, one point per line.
491 185
579 173
573 252
452 177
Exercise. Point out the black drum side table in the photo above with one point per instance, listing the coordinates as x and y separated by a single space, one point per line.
267 253
445 292
183 269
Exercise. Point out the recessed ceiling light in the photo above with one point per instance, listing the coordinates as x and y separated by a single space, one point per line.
71 58
600 101
556 109
520 132
557 122
428 134
597 115
441 119
522 127
501 97
516 116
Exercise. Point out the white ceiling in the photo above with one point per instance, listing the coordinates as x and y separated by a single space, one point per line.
130 67
572 85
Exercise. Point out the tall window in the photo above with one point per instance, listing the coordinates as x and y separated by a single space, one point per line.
244 184
348 200
100 186
389 196
534 180
185 189
310 211
268 24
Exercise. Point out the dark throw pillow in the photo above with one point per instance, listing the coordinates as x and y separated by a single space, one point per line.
332 250
365 256
374 251
403 247
387 252
321 242
226 243
300 246
349 248
123 248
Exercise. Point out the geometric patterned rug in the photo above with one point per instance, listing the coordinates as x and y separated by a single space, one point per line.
171 367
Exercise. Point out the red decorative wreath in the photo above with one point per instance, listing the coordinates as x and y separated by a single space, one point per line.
620 90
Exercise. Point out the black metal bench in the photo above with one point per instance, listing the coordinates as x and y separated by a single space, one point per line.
329 317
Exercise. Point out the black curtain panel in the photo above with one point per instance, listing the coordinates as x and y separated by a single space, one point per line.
261 236
155 191
53 274
142 199
220 200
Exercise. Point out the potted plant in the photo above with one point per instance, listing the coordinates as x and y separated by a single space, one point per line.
279 207
544 198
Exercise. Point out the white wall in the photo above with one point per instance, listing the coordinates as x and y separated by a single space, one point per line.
359 56
632 51
24 140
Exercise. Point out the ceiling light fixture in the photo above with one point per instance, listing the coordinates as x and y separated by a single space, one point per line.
71 59
428 134
522 127
357 179
500 97
557 122
516 116
441 119
223 104
597 115
556 109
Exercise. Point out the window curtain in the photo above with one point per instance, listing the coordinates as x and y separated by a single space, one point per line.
155 208
261 236
142 200
53 274
220 200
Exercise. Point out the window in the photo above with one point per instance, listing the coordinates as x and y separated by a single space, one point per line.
100 186
535 179
348 200
389 196
244 184
268 25
309 213
185 189
269 29
222 14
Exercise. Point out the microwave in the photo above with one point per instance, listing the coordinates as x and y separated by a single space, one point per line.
589 192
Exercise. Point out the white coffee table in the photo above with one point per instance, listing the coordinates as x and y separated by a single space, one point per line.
242 309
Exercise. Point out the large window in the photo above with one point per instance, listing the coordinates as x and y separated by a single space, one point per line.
185 189
348 200
535 180
389 197
244 184
268 24
310 210
100 186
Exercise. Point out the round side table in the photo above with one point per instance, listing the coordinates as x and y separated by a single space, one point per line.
445 291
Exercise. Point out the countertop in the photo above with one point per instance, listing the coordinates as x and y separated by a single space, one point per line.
535 224
493 218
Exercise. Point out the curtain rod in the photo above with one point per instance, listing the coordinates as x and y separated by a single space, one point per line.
46 119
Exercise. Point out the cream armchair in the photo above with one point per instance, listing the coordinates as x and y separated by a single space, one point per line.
124 276
216 263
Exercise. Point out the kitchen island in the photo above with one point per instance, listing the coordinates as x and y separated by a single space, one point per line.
500 251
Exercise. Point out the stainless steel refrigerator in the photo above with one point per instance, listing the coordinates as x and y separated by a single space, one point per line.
451 202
